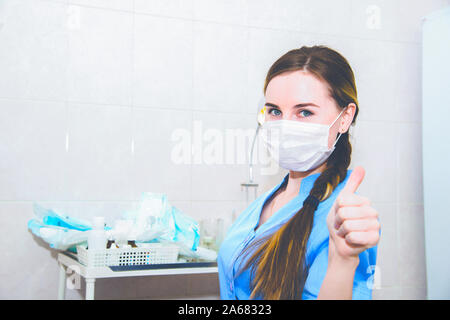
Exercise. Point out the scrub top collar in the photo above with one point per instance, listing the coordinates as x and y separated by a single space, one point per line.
277 218
306 185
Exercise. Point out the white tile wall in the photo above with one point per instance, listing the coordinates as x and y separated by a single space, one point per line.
411 247
222 11
375 20
388 273
209 176
36 27
374 148
34 159
100 56
409 166
153 167
374 62
99 154
325 17
168 8
163 55
220 86
284 14
124 5
91 93
408 84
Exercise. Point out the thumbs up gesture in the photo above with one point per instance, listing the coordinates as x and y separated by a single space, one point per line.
352 222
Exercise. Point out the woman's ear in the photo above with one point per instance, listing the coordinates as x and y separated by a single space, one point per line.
347 117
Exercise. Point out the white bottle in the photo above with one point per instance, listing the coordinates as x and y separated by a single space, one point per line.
97 236
121 232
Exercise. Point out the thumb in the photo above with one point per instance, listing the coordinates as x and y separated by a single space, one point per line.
354 180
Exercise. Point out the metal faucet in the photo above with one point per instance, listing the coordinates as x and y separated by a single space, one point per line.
251 183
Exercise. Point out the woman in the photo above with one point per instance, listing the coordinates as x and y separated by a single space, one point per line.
311 236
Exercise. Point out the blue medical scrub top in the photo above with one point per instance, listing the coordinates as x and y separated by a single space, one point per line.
242 232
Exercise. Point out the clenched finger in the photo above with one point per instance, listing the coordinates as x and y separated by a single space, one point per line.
351 199
348 213
357 225
362 238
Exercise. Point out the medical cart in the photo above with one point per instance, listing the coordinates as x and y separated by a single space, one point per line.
69 260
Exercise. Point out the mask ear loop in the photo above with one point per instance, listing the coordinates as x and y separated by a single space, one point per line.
340 134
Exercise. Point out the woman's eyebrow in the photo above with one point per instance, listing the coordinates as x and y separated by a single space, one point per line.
300 105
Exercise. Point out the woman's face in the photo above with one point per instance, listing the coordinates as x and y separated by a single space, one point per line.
300 96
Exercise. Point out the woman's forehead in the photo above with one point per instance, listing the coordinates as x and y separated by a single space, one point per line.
297 87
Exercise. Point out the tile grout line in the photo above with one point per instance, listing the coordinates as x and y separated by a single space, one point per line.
173 109
397 209
133 73
193 39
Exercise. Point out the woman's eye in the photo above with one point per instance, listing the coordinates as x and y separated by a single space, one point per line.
274 112
306 114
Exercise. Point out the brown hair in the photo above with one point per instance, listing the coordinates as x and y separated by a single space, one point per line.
278 264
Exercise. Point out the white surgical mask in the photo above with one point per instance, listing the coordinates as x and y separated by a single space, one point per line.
296 145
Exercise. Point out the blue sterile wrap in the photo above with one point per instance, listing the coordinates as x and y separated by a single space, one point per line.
51 218
182 228
167 222
155 220
60 232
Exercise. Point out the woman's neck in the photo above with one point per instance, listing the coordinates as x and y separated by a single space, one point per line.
296 177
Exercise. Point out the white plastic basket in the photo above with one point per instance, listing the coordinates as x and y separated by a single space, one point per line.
150 253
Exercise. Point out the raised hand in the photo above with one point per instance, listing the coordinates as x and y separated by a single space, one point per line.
352 221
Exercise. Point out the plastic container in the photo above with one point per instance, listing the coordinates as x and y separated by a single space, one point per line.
150 253
97 235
